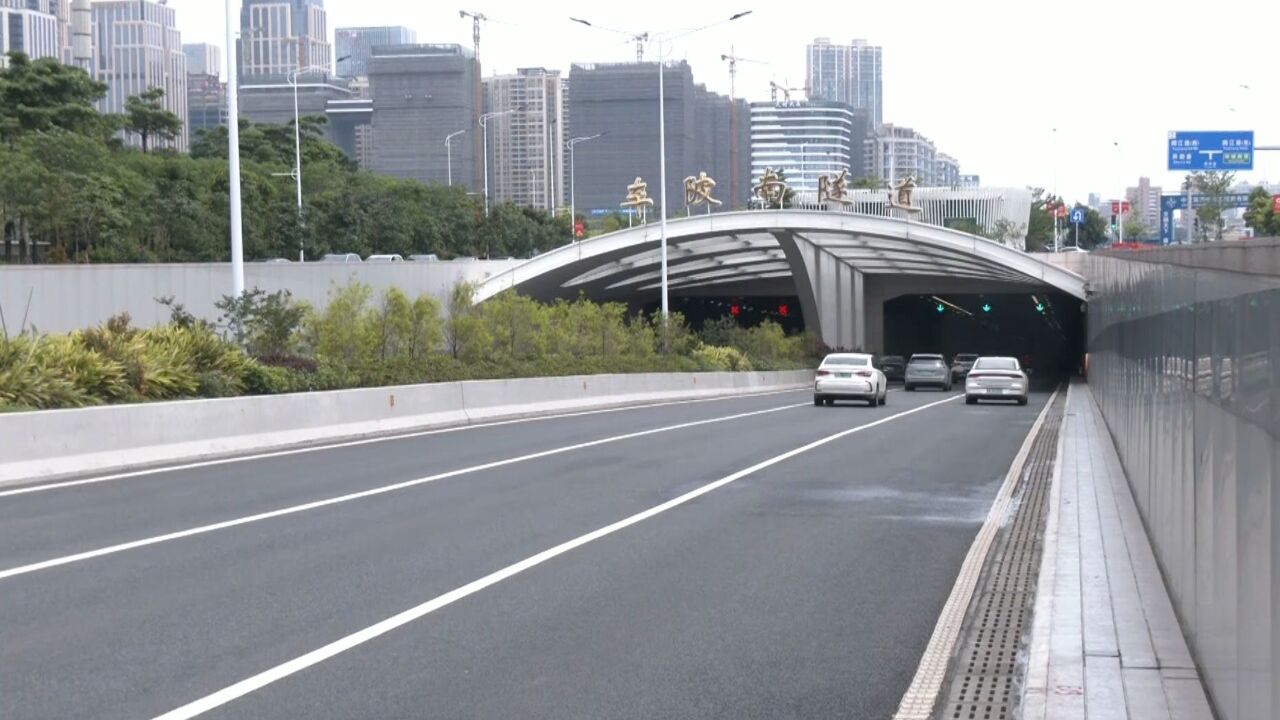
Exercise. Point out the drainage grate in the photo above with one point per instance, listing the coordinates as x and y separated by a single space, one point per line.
984 682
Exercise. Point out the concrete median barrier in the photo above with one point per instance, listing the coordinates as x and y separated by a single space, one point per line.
55 443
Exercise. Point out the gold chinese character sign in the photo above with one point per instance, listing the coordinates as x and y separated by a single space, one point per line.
772 188
832 187
638 198
697 190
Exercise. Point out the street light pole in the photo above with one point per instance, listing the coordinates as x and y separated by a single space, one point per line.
573 197
448 152
662 176
484 127
297 143
662 135
233 155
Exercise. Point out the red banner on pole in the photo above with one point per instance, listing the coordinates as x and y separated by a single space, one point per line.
1275 204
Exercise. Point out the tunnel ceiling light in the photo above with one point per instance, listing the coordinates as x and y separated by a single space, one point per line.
953 306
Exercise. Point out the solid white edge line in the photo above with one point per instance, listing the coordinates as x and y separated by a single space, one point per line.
918 701
58 485
319 655
303 507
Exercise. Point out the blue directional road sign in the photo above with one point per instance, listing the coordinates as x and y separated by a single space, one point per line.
1077 216
1169 203
1231 150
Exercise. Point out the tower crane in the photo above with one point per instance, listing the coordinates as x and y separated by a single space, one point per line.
733 59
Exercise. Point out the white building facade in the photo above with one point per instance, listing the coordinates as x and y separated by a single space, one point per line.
804 140
947 173
526 146
898 152
278 36
34 33
203 59
136 47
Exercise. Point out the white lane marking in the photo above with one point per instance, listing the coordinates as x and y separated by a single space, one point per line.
294 509
319 655
918 701
366 441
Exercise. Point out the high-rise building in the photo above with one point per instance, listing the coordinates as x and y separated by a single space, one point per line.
137 47
278 36
206 103
970 181
1144 202
806 140
717 120
421 94
898 152
849 74
271 100
620 101
59 9
30 31
526 145
947 173
354 46
203 59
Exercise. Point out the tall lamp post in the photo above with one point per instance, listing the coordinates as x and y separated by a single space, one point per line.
573 196
662 127
448 151
484 127
233 153
297 142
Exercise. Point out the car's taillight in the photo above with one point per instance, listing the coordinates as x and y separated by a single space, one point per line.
976 376
823 373
864 373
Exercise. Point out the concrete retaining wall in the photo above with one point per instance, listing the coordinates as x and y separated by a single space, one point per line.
52 443
61 298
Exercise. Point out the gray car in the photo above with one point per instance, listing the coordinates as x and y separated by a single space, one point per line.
927 370
961 364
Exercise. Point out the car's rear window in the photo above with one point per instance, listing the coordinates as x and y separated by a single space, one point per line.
996 364
926 362
966 358
854 362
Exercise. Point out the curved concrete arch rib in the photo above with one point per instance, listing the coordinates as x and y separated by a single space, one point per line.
833 259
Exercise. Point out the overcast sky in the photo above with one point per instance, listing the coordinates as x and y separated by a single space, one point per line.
987 80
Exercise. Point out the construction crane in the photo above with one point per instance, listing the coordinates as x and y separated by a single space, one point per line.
733 60
775 88
477 146
476 19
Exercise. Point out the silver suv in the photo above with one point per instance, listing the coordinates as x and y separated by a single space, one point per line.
927 370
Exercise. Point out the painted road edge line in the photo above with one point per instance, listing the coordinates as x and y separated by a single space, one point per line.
921 696
407 435
383 489
319 655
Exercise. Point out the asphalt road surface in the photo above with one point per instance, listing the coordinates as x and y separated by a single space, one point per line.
753 557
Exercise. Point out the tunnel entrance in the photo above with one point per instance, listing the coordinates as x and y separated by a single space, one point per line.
1044 330
749 311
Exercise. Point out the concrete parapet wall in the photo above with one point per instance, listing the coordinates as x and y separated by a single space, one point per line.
52 443
61 298
1185 365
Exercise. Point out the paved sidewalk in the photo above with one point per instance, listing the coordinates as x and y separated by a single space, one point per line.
1105 642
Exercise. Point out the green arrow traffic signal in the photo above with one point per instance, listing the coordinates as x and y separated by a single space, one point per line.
942 308
1040 307
986 307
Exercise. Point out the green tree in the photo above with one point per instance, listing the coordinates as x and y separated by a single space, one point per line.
1212 186
146 117
1040 222
1135 229
1260 215
41 95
